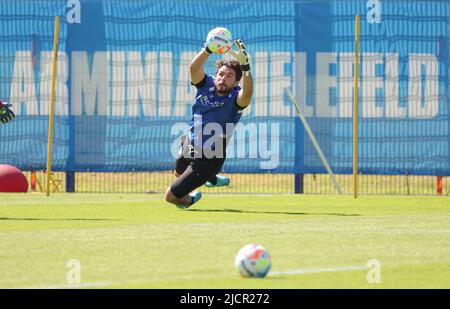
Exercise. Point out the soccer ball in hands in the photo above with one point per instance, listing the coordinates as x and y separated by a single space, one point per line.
253 261
219 40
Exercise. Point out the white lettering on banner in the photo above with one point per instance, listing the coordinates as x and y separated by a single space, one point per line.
261 82
369 83
118 83
324 81
300 77
185 91
165 84
141 83
90 91
346 64
23 88
423 67
279 81
61 88
393 109
122 83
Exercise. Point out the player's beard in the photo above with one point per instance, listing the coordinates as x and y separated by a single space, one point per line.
223 89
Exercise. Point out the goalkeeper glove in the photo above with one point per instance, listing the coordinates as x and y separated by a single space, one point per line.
241 55
6 115
206 48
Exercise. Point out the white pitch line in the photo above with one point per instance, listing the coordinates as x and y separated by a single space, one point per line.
317 270
272 273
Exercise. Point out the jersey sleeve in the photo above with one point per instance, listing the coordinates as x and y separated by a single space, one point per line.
237 105
205 83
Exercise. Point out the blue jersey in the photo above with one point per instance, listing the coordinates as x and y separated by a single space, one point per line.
210 108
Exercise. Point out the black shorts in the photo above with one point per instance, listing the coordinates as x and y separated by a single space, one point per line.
194 173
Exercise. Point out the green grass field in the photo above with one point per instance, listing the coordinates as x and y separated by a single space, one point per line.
139 241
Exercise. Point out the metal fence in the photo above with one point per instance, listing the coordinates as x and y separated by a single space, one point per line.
157 182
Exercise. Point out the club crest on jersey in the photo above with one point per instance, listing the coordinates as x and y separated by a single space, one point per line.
205 101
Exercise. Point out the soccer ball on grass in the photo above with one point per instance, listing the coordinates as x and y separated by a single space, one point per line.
253 261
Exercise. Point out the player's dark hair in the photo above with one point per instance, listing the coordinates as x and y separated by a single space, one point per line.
232 64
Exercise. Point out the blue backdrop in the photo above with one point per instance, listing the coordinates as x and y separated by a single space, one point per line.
123 93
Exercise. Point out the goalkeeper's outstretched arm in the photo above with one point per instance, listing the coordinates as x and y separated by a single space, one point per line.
245 94
196 66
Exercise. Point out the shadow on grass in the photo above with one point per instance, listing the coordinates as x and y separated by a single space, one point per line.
46 219
274 212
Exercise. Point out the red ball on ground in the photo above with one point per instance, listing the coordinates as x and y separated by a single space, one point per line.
12 179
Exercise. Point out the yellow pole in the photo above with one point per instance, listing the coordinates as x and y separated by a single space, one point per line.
355 111
52 105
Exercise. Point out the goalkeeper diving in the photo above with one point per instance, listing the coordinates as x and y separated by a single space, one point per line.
219 103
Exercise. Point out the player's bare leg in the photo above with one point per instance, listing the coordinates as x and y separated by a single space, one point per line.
184 202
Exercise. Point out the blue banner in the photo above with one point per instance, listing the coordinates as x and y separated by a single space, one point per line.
123 94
